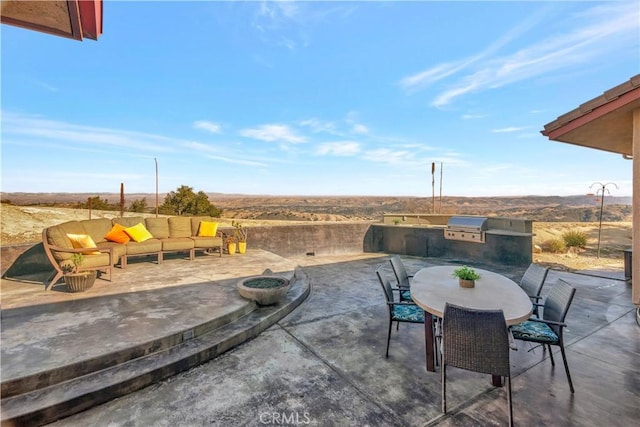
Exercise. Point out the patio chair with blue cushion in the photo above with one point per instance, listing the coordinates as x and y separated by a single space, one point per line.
548 330
401 277
475 340
532 282
399 311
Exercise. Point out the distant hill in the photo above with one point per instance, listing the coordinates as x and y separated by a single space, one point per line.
579 208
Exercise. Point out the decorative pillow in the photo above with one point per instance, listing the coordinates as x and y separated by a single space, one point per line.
138 233
117 234
207 229
83 241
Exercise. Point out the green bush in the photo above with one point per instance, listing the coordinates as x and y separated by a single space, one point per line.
573 238
554 246
184 201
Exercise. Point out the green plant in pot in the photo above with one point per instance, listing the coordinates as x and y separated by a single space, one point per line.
230 243
75 279
240 234
467 276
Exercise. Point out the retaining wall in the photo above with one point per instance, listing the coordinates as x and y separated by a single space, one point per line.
335 239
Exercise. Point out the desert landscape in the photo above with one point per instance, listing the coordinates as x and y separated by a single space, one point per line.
25 215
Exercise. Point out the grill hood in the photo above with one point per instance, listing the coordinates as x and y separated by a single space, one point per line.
466 228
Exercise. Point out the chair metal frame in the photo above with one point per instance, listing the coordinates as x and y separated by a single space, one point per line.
391 303
402 277
400 272
554 312
532 282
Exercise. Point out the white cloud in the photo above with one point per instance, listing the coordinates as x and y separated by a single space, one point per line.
273 132
72 135
237 161
424 78
338 148
473 116
356 126
208 126
47 86
599 31
276 11
385 155
507 129
318 126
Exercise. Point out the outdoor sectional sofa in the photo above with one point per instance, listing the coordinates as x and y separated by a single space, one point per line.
114 242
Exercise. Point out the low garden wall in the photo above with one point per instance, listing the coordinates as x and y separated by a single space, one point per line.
334 239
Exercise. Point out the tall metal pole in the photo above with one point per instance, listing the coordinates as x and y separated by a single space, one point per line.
156 160
433 189
121 199
440 207
601 190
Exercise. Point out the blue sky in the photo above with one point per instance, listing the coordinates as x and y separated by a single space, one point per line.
316 98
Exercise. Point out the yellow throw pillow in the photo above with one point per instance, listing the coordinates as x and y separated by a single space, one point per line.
138 233
207 229
80 241
117 234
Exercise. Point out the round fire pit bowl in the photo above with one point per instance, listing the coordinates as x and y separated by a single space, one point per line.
264 290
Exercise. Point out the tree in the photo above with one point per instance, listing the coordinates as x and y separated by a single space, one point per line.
138 206
98 204
184 201
587 215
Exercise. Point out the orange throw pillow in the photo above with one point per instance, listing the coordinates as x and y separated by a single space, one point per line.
117 234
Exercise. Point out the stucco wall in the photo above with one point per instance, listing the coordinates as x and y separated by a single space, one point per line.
506 249
312 239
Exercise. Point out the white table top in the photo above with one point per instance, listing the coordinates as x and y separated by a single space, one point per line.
432 287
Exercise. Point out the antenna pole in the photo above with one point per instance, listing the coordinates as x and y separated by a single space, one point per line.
156 160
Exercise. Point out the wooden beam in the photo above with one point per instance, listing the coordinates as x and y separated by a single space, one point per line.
635 266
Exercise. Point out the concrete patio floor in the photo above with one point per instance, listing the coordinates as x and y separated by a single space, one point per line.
323 364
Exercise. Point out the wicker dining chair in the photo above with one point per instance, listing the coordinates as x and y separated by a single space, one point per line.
532 282
475 340
548 330
402 277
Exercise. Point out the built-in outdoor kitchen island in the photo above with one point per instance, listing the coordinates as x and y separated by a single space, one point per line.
490 240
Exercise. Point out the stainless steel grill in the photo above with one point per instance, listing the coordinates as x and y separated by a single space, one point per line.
466 228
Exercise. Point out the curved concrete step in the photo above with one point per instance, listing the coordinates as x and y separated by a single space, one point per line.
196 346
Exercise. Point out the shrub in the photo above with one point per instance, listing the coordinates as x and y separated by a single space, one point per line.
554 246
138 205
573 238
184 201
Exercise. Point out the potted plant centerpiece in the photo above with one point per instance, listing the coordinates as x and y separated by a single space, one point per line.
467 276
76 280
230 243
241 236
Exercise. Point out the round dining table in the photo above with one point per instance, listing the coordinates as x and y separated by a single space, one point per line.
433 287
